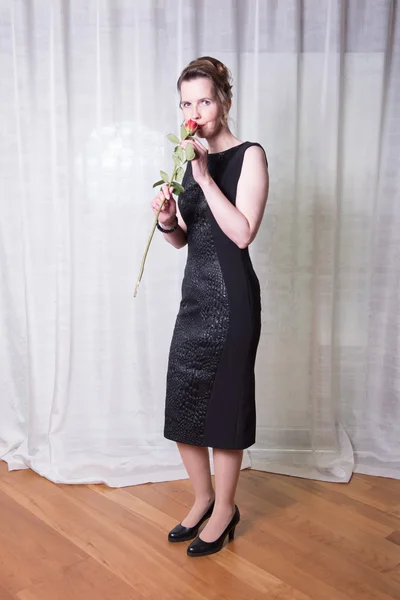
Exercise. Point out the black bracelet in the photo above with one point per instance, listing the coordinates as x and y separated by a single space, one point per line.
159 227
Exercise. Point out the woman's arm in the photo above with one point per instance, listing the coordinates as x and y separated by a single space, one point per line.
241 222
170 212
178 238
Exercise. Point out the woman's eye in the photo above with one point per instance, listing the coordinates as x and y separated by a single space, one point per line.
206 102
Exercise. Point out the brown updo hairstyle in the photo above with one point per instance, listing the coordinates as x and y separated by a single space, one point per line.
220 75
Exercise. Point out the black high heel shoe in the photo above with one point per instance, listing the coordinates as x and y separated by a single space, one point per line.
183 534
201 548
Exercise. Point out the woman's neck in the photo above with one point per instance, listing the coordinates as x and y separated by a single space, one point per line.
223 140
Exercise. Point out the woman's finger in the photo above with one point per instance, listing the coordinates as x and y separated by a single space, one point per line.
165 190
199 146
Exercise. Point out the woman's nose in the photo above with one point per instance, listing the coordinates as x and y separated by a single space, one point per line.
195 113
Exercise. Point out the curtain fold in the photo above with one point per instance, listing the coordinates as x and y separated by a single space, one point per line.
87 96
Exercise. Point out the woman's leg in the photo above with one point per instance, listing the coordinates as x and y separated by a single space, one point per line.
227 465
197 464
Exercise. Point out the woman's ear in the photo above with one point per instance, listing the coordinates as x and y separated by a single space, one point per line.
226 112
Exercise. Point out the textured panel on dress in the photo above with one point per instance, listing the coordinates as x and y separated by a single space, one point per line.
201 326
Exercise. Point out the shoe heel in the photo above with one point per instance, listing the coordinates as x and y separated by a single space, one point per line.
232 534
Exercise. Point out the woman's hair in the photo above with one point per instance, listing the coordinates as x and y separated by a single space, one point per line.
217 72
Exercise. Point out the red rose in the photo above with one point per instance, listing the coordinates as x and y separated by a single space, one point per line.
191 127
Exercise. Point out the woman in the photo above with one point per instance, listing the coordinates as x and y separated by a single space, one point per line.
210 400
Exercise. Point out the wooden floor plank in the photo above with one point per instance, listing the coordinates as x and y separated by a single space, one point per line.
130 548
5 594
88 579
309 491
394 537
29 548
282 561
297 540
343 571
383 483
331 528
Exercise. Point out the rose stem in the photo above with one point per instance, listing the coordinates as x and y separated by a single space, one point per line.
151 237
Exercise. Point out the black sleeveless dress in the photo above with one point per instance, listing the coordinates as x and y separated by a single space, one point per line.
210 396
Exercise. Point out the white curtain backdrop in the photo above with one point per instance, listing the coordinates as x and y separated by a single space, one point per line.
87 96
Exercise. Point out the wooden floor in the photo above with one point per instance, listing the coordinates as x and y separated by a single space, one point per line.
298 539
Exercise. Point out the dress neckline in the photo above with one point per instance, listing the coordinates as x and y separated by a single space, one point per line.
227 150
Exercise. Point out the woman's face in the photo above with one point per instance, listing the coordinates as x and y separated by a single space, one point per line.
200 103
